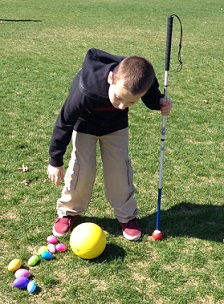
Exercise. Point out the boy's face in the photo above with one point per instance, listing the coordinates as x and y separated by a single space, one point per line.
119 96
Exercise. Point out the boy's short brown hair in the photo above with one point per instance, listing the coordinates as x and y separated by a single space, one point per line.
136 72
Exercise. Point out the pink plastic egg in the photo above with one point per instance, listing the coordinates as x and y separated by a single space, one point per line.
51 239
51 248
21 282
61 247
22 273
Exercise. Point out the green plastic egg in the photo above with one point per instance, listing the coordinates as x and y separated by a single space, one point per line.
33 260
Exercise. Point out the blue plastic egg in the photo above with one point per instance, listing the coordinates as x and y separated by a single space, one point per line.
46 255
31 287
21 282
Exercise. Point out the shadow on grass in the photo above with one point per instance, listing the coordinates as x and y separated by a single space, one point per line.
189 220
112 252
19 20
185 219
37 291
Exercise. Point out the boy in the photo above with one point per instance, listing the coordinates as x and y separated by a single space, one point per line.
97 110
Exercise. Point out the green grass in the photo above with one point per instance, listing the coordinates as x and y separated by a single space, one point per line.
42 45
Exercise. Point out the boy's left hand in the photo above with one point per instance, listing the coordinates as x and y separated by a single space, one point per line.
165 106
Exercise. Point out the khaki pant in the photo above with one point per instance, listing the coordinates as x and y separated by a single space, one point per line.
81 173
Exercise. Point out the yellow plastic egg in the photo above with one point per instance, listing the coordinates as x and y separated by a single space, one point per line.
14 265
42 249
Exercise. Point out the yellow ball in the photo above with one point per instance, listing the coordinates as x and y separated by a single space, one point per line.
88 240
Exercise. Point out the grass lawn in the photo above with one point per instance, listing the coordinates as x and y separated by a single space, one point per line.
42 46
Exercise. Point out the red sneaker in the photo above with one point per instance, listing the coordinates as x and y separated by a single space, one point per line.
131 230
63 225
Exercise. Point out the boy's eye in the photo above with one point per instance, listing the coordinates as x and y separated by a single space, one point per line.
118 97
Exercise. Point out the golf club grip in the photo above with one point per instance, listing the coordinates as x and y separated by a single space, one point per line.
168 42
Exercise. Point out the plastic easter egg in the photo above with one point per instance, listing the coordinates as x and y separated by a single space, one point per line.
42 249
51 239
21 282
22 273
14 265
33 260
88 240
61 247
51 248
31 287
46 255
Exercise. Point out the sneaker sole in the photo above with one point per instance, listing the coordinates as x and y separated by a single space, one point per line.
132 238
55 233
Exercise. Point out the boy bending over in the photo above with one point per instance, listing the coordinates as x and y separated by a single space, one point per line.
96 110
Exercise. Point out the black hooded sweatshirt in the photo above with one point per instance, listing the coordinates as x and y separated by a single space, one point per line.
88 108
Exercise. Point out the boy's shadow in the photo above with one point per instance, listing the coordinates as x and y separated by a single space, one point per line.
185 219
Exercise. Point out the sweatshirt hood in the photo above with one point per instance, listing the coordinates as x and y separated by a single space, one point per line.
94 73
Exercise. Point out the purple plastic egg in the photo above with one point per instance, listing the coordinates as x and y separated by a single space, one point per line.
22 273
51 239
31 287
21 282
61 247
46 255
51 248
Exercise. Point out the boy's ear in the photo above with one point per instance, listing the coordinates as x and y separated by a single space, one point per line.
110 78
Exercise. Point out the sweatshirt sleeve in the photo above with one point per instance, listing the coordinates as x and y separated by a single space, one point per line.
152 96
67 118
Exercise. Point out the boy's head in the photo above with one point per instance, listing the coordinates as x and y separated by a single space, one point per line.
129 81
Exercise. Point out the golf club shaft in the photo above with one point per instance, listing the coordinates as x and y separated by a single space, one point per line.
163 130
